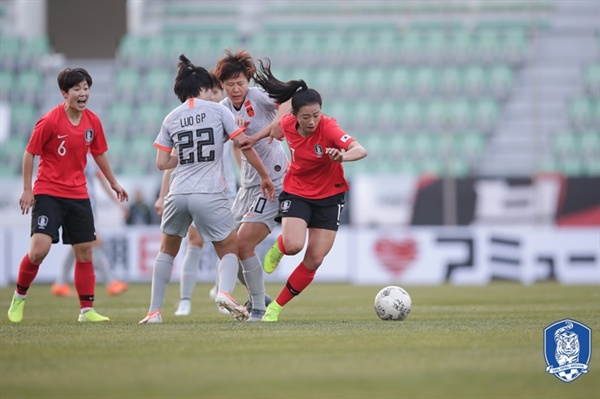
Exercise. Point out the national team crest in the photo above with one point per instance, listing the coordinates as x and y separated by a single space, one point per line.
567 349
318 150
89 135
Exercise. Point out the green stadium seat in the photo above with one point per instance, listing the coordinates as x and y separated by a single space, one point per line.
150 117
6 85
565 145
460 114
581 112
120 119
349 81
425 80
461 45
435 114
487 44
10 48
28 84
158 84
450 80
33 49
411 114
375 80
127 83
486 113
500 80
132 50
23 118
399 81
474 80
514 44
470 145
592 79
589 144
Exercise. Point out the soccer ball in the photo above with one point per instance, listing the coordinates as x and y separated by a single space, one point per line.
392 303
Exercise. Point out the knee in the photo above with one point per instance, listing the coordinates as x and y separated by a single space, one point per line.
245 249
37 255
292 247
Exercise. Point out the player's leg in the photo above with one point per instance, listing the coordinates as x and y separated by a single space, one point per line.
38 249
46 219
319 244
249 236
161 275
227 271
189 271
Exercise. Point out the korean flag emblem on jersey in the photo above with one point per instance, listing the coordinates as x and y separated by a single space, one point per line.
89 135
345 138
567 349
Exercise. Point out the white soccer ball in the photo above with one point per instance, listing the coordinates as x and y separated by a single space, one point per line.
392 303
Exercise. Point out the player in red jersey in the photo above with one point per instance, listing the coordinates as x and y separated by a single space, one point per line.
59 198
314 185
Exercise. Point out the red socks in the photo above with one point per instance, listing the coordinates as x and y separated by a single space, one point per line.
27 273
300 278
85 282
280 245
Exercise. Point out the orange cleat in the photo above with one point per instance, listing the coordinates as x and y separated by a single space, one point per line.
61 290
116 288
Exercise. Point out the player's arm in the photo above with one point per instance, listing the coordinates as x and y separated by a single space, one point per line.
159 204
266 185
165 159
104 165
354 153
272 130
26 200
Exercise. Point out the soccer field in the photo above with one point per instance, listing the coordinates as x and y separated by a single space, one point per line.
458 342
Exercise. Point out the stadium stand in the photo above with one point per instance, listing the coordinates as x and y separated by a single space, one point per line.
431 86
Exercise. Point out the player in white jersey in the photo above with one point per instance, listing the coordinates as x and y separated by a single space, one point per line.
113 286
195 252
197 130
254 213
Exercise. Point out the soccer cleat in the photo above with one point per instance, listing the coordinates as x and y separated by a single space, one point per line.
184 308
248 303
91 316
61 290
256 315
223 310
116 288
15 312
152 318
226 301
272 313
272 258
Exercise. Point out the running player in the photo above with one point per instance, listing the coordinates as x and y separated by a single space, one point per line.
314 186
59 198
254 213
197 130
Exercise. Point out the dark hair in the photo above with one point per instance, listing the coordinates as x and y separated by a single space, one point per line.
216 82
280 91
190 79
232 65
71 77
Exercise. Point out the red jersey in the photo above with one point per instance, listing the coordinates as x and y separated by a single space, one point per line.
63 149
312 174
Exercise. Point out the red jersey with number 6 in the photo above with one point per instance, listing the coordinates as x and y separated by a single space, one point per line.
312 174
63 149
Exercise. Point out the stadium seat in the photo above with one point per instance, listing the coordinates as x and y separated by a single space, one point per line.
23 118
474 80
450 80
27 85
10 48
127 84
425 80
500 80
120 119
592 79
158 85
6 85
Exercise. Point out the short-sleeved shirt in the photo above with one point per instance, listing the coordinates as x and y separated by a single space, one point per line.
260 110
198 129
312 174
63 148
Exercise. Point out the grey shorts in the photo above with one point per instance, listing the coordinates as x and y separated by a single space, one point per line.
211 214
251 206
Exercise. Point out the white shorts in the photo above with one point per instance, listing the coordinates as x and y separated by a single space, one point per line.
251 206
211 214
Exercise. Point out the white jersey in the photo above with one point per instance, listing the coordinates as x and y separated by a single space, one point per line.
198 130
228 161
260 110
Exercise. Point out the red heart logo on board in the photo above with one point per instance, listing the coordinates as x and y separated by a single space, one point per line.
396 256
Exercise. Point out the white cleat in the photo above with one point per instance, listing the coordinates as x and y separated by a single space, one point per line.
184 308
226 301
152 318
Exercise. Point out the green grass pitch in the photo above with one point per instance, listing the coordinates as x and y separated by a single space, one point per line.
458 342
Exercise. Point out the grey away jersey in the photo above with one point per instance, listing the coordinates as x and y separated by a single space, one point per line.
198 130
259 109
